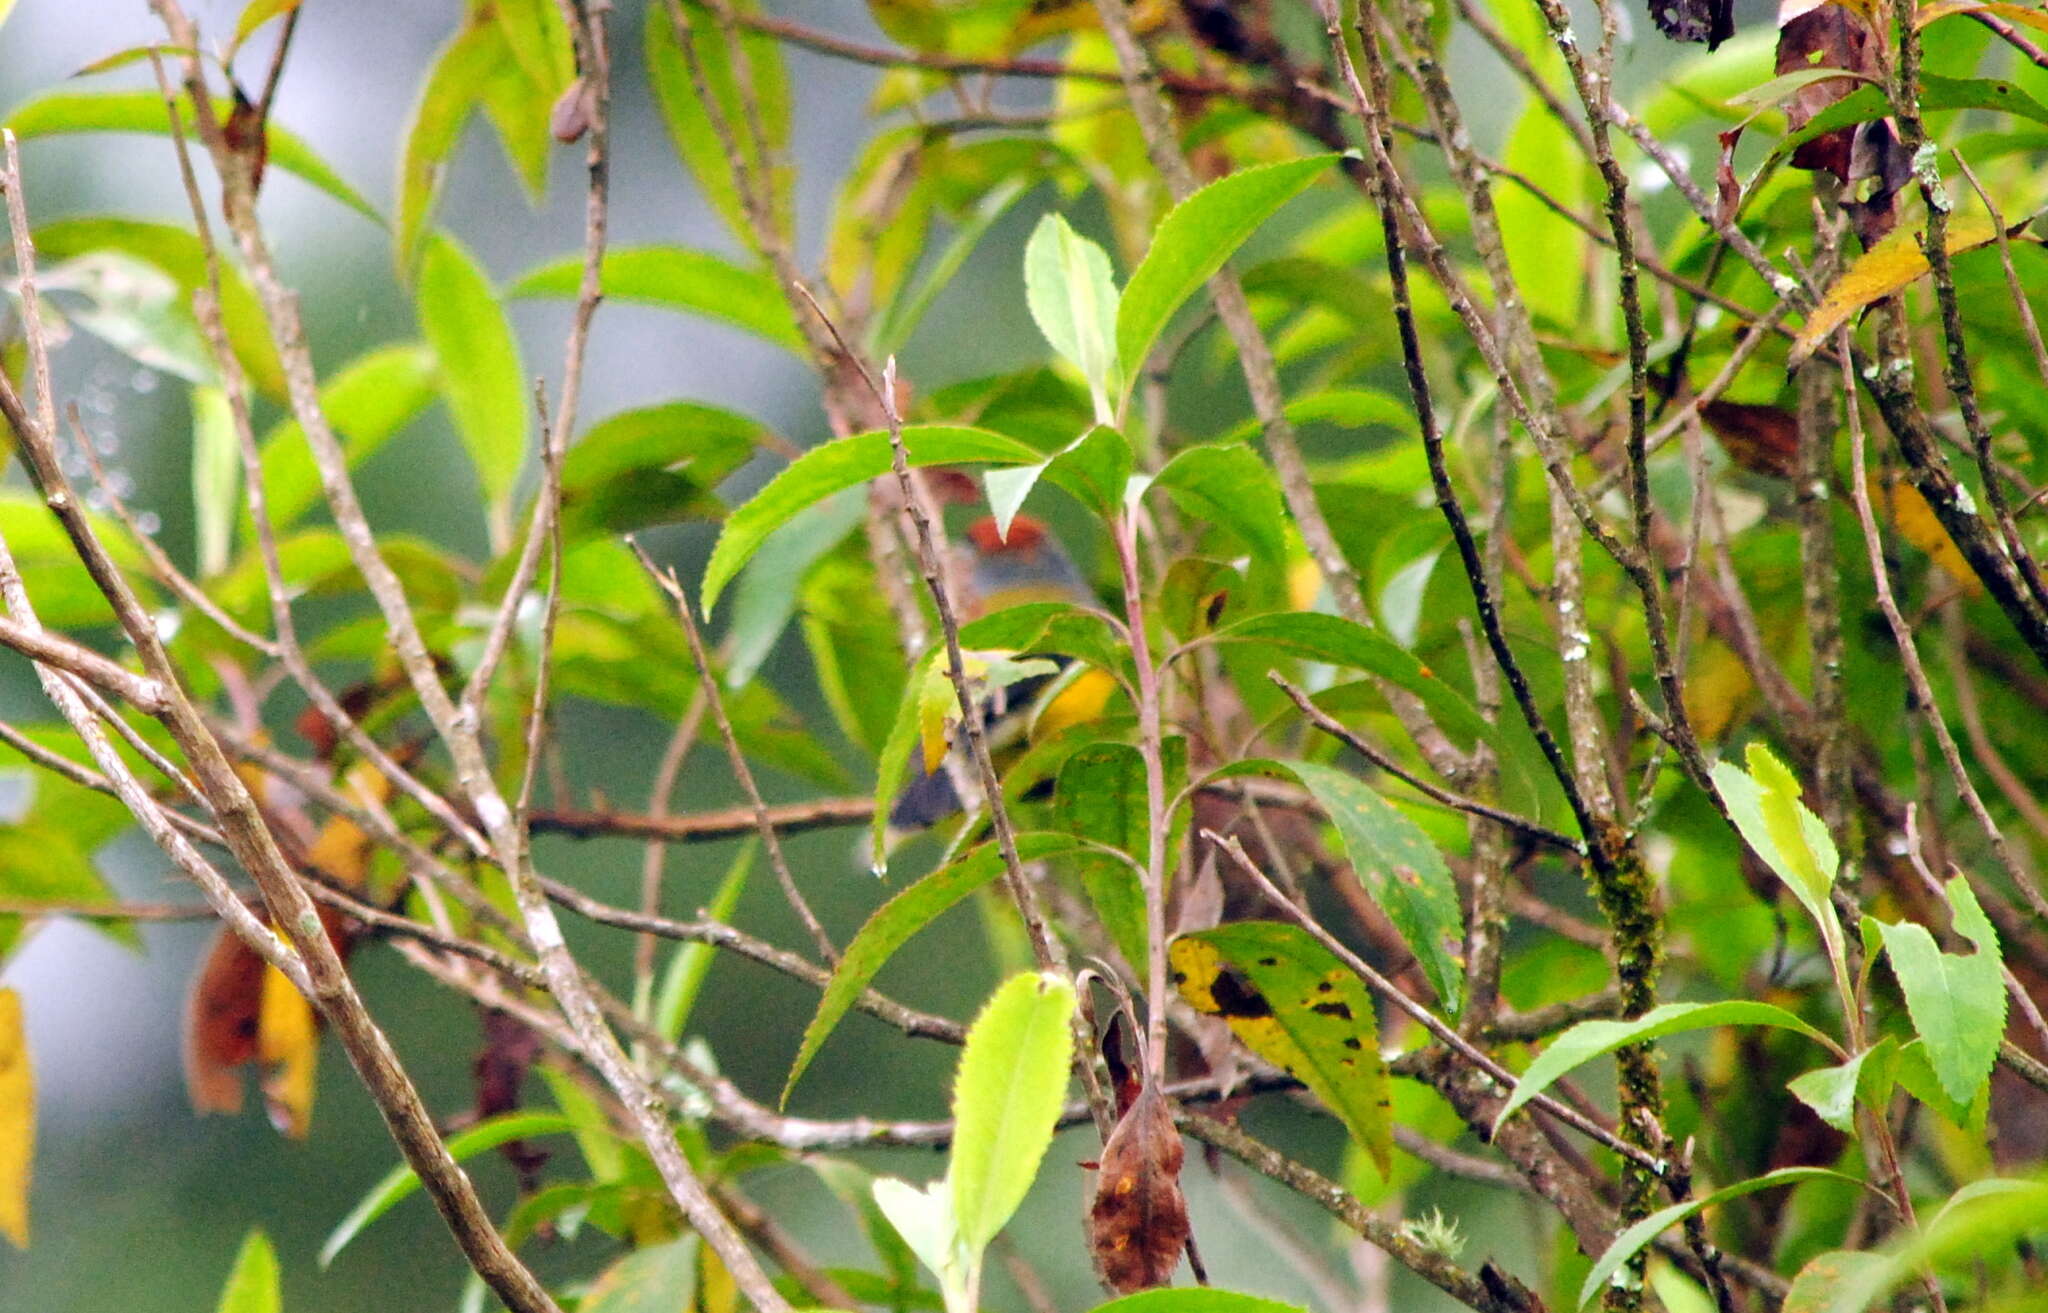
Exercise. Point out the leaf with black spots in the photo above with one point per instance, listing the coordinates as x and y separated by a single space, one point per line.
1295 1005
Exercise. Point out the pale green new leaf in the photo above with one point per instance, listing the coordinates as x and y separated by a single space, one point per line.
1957 1002
1590 1039
1007 1096
367 401
254 1285
1193 242
1071 290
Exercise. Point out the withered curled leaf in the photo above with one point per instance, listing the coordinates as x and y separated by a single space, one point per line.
1138 1219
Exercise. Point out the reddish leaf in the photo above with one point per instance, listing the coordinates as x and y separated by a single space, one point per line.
1761 439
1138 1220
509 1050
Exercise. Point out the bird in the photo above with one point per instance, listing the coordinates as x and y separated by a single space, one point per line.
1013 565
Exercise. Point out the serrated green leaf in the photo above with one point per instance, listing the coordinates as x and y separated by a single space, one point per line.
253 1285
1957 1002
1340 642
1632 1241
1071 291
1193 241
1007 1095
1397 864
401 1181
481 374
1590 1039
1095 468
895 921
1229 485
1298 1007
1101 797
1831 1091
845 463
59 112
677 278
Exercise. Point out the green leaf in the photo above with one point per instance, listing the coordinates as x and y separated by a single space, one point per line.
1350 408
1071 290
1590 1039
134 307
925 1220
1228 484
1764 804
1193 241
690 127
402 1181
253 1286
676 999
589 1124
1632 1241
1298 1007
677 278
1101 797
254 15
654 465
178 254
43 864
59 112
366 401
1007 1095
1395 861
658 1279
1831 1091
1936 92
1194 1301
1095 468
845 463
1826 1277
481 374
893 760
895 922
1957 1002
1340 642
216 478
766 596
450 93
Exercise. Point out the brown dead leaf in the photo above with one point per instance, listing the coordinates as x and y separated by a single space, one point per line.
1138 1219
1761 439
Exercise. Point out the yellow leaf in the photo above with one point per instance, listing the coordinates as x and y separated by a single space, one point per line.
288 1043
1908 512
2025 15
341 851
17 1121
1717 689
1888 267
